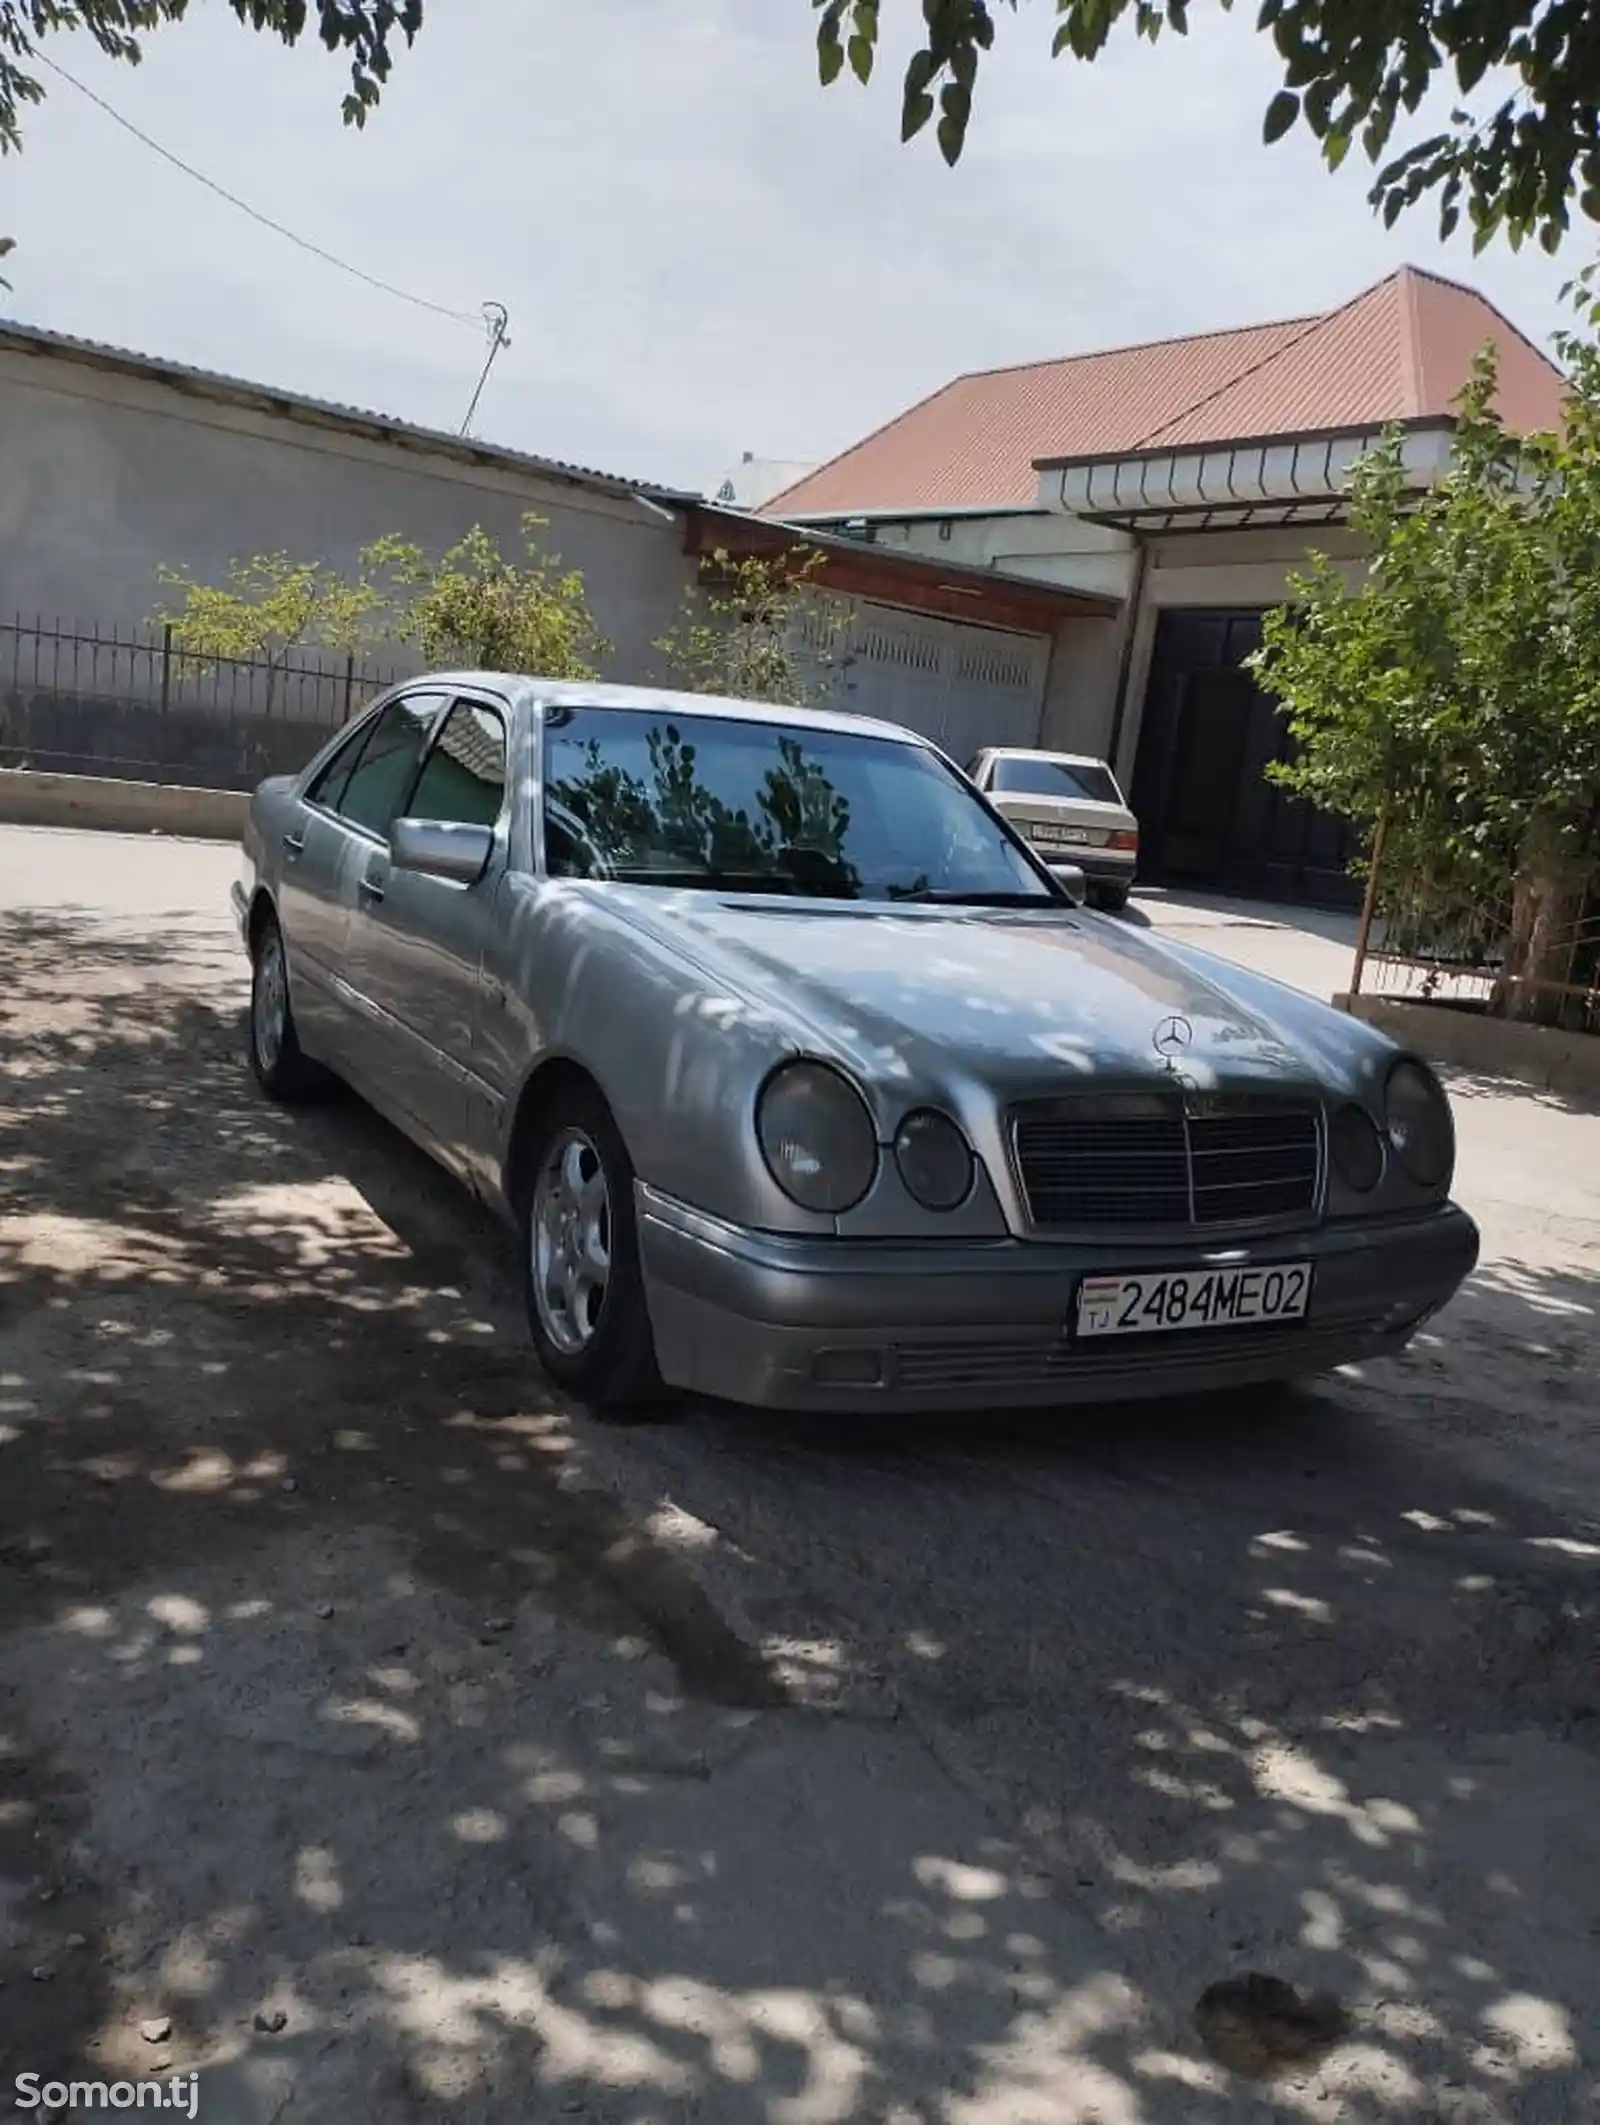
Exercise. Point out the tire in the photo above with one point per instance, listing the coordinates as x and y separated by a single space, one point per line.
576 1215
282 1071
1110 899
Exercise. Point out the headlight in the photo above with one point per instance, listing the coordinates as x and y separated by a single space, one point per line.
816 1137
934 1159
1420 1128
1356 1149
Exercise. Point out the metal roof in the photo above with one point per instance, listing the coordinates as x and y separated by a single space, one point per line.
1399 351
295 405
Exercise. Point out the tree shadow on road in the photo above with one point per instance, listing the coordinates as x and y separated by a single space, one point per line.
351 1676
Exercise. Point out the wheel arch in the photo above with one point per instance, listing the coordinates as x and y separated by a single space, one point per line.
262 911
548 1078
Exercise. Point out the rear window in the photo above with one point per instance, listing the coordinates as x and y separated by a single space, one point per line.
1044 777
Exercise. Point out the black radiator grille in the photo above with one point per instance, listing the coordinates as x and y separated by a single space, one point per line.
1143 1161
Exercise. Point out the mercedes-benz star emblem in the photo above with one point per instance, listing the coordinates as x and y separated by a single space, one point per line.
1171 1037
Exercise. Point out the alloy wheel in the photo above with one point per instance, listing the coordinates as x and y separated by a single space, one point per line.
570 1232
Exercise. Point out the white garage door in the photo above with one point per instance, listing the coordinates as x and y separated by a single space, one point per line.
964 687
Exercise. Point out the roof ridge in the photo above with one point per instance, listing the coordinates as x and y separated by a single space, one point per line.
1410 341
1461 287
1313 327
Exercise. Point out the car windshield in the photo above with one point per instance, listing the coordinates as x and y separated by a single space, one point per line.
1041 776
759 807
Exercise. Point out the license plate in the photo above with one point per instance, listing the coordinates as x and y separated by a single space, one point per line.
1071 836
1193 1298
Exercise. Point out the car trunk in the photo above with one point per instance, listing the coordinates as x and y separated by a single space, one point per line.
1065 822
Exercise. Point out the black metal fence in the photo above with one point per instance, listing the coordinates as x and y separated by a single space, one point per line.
1471 943
128 702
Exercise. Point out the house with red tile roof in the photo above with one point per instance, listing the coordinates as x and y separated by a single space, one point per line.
1187 478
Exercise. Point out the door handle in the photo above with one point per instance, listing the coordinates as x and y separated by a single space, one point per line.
371 887
294 844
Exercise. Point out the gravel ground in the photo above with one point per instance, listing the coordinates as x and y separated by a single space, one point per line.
383 1739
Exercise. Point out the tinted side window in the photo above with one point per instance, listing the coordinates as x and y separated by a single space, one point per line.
380 781
328 787
463 779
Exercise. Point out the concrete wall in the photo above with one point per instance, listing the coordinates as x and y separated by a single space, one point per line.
1081 690
121 807
1564 1063
105 476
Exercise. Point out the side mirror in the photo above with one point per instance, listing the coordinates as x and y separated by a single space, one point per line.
441 848
1072 881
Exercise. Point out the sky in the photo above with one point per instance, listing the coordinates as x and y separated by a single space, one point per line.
702 252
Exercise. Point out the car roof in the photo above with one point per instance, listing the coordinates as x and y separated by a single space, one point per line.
1038 752
529 692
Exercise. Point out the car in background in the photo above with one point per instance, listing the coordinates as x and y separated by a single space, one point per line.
802 1079
1070 810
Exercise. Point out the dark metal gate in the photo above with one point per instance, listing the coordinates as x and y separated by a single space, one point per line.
1208 816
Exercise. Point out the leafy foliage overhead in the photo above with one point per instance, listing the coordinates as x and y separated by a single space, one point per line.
368 30
1352 71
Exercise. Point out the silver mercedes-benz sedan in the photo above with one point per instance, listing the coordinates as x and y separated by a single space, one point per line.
805 1083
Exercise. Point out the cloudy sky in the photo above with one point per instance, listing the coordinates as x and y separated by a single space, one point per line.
701 251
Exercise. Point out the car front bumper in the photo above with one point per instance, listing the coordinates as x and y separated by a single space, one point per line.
241 908
789 1323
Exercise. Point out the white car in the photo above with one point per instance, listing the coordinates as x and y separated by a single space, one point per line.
1069 807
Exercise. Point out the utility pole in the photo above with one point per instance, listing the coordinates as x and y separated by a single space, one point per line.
497 319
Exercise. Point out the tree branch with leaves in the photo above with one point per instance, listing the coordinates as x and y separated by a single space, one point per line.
370 31
760 628
1351 74
474 607
270 606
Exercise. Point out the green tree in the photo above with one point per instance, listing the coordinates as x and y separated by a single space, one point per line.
472 606
269 607
1454 692
760 629
368 30
1351 70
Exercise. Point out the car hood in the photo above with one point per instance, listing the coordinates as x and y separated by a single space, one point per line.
1016 999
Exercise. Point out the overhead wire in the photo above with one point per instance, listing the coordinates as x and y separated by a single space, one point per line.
304 243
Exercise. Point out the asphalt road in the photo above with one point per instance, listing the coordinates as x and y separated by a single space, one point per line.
742 1769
